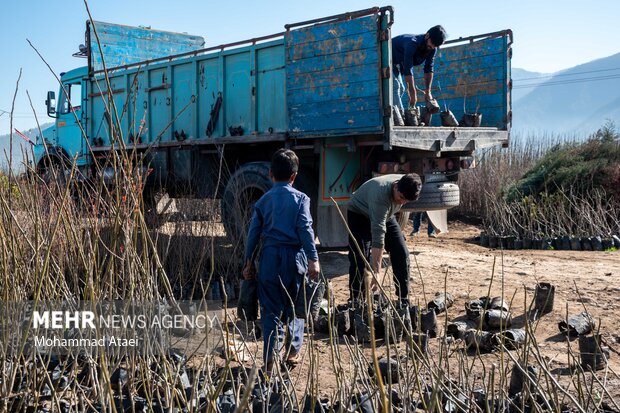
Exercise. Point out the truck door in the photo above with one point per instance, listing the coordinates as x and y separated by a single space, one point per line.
70 117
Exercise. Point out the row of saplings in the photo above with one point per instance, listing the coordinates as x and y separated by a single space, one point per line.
562 243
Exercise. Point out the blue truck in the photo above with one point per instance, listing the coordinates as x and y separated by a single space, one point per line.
321 87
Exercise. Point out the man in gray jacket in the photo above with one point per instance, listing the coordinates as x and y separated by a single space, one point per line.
371 220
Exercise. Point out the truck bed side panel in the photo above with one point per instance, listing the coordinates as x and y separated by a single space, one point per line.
472 77
333 78
123 45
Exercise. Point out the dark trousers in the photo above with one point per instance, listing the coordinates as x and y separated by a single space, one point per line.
394 244
280 275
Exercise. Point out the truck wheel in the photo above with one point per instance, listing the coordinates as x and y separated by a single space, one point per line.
243 189
435 196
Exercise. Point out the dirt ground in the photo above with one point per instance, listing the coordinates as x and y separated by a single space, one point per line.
455 262
583 280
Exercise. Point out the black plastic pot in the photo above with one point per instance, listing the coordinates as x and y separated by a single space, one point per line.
497 318
388 368
396 327
518 245
544 297
498 303
527 243
448 119
578 325
493 241
564 243
457 329
616 239
484 239
412 117
597 243
586 244
547 244
420 343
575 244
537 244
479 340
593 355
428 323
513 339
441 302
471 120
414 316
608 244
475 308
519 383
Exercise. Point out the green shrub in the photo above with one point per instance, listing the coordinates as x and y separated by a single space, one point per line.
578 168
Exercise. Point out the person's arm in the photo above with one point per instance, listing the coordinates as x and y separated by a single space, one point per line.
306 235
376 255
428 81
378 214
429 64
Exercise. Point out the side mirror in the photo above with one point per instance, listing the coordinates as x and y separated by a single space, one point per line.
50 102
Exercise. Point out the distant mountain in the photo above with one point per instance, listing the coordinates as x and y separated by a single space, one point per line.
524 81
578 100
20 146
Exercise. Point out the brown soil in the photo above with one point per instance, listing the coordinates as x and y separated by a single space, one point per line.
583 280
455 262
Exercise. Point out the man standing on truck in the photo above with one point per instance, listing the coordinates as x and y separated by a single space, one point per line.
370 217
409 50
281 220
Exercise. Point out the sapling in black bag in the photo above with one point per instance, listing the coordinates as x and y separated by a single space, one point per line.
308 300
247 306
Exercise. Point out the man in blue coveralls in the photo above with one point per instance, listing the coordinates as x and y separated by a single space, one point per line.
281 220
409 50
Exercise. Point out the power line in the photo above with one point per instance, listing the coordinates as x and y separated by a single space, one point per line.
567 74
568 81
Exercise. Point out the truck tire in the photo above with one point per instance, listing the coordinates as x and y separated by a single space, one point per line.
243 189
435 196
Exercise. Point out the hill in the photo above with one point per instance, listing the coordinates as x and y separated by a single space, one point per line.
20 146
577 100
525 81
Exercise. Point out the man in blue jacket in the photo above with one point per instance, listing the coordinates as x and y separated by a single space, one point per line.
409 50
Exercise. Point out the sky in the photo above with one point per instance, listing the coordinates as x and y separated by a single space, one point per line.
549 35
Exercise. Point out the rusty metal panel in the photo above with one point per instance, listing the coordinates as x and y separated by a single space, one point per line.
333 78
473 77
120 45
